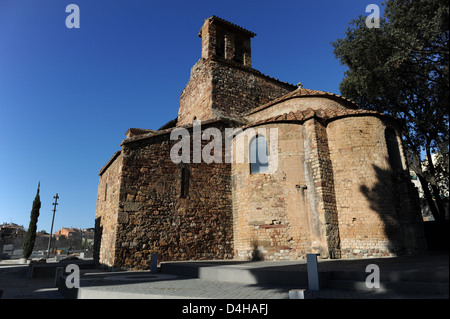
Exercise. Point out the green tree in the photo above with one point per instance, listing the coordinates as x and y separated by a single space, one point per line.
401 69
30 237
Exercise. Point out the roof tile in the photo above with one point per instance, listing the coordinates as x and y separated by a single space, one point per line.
301 92
324 114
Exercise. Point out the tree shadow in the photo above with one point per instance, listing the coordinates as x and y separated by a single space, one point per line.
394 198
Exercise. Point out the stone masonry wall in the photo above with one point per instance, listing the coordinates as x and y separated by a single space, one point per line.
319 178
270 210
107 210
369 223
296 104
196 98
154 218
238 89
220 88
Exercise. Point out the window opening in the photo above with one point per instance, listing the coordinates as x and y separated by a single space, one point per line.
184 182
259 159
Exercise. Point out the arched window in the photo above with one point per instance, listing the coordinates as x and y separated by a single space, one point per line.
220 45
258 156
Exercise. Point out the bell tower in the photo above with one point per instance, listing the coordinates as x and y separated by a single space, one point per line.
226 40
223 83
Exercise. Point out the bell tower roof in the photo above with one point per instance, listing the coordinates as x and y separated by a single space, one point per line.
227 24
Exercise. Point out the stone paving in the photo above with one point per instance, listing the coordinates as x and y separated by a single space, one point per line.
14 284
100 284
183 287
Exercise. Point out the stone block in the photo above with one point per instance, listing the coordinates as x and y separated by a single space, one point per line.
122 218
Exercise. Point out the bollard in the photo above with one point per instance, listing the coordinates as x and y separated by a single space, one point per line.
313 273
59 272
154 265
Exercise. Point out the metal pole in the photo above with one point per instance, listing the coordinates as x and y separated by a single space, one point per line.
53 219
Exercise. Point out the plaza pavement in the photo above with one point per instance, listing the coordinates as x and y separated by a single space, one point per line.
220 280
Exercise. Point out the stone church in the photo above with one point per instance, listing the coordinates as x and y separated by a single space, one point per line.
340 186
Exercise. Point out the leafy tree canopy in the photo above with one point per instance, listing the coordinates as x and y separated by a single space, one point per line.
401 68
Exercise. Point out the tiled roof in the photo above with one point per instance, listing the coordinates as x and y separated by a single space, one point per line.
323 114
301 92
164 131
228 23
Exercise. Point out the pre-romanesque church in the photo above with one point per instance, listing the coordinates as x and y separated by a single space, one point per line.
339 185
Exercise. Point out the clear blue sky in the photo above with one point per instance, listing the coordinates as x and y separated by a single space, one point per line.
67 96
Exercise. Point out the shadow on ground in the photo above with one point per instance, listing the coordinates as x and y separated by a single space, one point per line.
255 280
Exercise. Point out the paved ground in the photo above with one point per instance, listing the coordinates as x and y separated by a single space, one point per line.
15 285
185 288
98 284
429 262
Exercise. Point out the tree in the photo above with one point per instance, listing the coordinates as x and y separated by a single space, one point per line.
401 69
30 237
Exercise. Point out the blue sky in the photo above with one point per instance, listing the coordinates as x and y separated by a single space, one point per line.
67 96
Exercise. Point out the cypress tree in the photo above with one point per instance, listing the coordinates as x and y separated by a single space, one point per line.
30 237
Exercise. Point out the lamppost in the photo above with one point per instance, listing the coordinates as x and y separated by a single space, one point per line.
53 219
